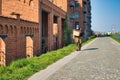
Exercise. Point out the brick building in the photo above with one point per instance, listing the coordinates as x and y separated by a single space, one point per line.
19 29
75 16
80 16
27 28
30 27
52 18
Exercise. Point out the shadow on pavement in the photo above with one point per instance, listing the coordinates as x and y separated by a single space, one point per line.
91 49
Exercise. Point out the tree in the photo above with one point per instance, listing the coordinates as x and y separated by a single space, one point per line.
67 32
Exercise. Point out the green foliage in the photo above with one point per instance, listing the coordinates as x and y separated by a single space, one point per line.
23 68
20 69
19 63
92 37
67 32
113 37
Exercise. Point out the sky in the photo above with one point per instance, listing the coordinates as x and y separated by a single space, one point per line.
105 15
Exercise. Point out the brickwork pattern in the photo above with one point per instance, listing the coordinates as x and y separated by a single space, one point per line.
60 3
53 10
16 31
28 9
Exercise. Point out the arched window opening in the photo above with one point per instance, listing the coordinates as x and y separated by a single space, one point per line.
11 29
29 46
15 30
2 52
6 29
1 29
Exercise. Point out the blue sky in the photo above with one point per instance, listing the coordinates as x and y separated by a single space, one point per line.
105 15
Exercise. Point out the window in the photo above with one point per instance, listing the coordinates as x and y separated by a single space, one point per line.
76 14
76 4
72 4
77 25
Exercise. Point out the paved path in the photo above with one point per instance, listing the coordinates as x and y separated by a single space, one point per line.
99 60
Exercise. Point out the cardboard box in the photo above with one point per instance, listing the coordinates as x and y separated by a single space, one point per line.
76 32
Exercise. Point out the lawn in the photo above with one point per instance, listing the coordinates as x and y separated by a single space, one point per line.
116 39
23 68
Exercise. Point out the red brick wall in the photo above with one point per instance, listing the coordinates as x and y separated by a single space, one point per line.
0 7
72 10
81 13
53 10
28 11
2 52
16 31
60 3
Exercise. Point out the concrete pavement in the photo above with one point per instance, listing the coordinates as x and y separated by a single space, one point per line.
98 60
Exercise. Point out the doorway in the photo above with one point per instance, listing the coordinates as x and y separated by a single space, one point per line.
55 32
44 31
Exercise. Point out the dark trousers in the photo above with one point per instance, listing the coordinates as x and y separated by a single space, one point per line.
78 46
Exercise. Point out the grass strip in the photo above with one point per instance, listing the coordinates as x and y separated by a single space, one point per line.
116 39
23 68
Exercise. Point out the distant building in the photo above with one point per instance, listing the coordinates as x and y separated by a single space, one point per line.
87 18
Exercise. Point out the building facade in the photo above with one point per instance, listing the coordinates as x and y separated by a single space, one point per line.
52 18
87 18
31 27
19 30
79 12
75 17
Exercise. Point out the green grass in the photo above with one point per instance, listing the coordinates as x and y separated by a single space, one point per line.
23 68
116 39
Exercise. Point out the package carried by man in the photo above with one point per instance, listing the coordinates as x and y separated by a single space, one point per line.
76 33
